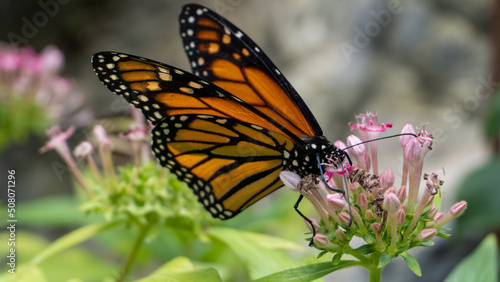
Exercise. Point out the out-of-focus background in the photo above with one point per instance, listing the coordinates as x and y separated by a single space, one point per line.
418 62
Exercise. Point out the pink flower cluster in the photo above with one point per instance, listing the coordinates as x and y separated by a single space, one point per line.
387 215
35 77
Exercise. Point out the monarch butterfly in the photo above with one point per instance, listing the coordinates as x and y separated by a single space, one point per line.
229 129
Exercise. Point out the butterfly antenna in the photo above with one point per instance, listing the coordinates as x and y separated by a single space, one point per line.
381 138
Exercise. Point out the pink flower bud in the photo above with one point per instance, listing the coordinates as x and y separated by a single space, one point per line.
458 208
401 193
432 211
83 150
322 242
438 216
426 235
337 201
386 179
412 150
369 215
362 201
404 139
391 203
290 179
345 218
353 140
401 217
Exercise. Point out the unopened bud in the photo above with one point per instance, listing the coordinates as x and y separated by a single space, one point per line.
345 218
404 139
401 193
401 217
391 203
458 208
426 235
432 211
337 201
290 179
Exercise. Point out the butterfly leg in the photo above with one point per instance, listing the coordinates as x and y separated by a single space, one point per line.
296 207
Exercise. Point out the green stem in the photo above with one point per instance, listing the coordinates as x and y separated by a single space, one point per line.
375 274
143 230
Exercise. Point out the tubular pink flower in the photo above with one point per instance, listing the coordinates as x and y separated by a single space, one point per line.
358 151
105 147
84 151
455 211
58 142
369 129
412 156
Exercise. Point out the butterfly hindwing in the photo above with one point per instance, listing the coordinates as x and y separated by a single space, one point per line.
221 53
229 164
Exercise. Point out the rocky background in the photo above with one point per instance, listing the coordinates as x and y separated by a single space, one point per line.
411 61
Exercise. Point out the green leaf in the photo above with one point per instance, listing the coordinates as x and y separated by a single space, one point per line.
385 258
256 251
336 258
71 239
365 249
182 269
482 211
307 272
480 265
412 263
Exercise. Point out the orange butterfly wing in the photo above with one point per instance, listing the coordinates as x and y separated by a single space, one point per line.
222 54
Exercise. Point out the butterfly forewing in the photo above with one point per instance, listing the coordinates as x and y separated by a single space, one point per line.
223 54
160 90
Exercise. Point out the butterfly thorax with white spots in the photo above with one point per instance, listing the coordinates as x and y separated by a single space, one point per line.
306 163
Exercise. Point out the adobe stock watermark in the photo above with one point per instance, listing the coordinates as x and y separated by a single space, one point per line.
31 26
458 112
223 6
363 37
